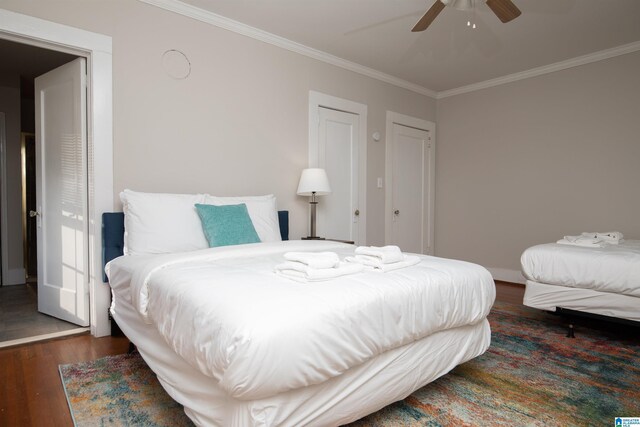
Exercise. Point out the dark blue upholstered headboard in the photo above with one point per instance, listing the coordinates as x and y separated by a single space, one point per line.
283 220
113 235
112 238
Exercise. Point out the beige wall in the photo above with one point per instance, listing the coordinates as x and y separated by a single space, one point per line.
238 124
528 162
10 106
518 164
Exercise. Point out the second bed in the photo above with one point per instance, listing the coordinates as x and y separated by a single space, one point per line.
600 280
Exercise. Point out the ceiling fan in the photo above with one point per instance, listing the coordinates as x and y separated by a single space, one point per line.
505 10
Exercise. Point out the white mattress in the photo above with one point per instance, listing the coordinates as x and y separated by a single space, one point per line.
223 309
550 297
358 392
610 269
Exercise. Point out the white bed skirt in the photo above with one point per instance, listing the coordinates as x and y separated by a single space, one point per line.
360 391
548 297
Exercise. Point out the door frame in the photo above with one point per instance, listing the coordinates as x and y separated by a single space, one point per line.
26 138
421 124
97 49
4 245
317 100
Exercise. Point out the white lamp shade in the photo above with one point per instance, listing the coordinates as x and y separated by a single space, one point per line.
314 180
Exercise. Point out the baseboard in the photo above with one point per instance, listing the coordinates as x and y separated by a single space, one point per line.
505 275
44 337
15 276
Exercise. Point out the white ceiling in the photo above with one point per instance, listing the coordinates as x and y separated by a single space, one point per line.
448 55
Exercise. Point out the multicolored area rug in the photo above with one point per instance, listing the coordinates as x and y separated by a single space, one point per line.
119 391
532 375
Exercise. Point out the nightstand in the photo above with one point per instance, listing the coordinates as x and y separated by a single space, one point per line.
350 242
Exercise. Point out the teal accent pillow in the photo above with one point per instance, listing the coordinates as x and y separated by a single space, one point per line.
227 225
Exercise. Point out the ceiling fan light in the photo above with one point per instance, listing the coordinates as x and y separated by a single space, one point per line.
463 4
505 10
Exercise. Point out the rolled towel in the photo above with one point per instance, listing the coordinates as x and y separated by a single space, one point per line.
314 259
386 254
301 273
377 265
613 237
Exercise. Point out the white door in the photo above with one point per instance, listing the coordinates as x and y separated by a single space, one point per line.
411 189
338 213
61 193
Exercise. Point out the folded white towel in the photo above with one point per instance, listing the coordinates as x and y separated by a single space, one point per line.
377 265
608 234
386 254
586 242
612 237
302 273
582 239
314 259
590 235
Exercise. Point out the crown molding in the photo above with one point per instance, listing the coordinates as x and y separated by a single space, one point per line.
220 21
534 72
205 16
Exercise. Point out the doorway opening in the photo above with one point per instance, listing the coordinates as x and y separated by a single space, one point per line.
29 232
97 49
20 320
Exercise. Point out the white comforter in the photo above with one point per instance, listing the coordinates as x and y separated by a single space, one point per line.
612 268
227 314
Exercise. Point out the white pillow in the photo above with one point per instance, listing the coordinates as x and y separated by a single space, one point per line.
157 223
262 211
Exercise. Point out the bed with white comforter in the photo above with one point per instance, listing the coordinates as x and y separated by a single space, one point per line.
599 280
237 344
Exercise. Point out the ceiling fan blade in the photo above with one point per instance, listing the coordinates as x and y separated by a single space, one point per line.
505 10
428 17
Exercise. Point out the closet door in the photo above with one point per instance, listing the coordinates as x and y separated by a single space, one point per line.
411 189
338 212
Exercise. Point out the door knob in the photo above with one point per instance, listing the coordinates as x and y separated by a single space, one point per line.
33 214
396 212
357 212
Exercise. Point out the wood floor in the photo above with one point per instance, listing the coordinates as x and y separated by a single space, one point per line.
31 392
509 292
19 316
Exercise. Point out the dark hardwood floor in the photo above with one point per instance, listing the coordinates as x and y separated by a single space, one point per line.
509 292
31 392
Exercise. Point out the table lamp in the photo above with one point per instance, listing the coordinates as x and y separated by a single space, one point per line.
313 182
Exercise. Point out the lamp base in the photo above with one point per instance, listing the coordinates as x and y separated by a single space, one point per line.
313 238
